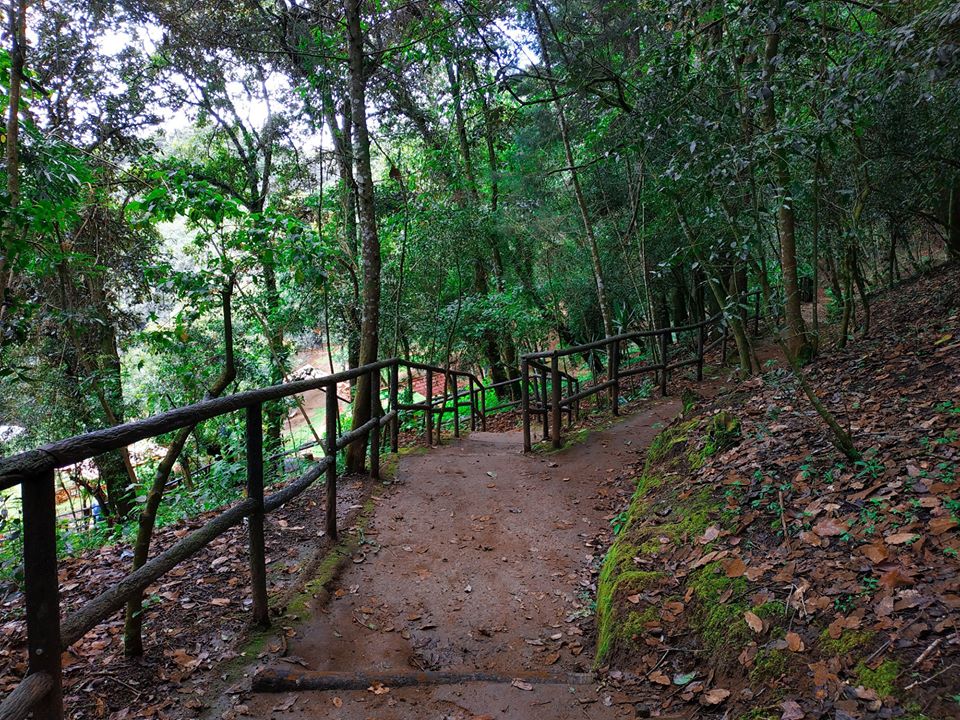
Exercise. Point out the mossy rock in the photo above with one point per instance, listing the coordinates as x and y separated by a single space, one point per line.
721 627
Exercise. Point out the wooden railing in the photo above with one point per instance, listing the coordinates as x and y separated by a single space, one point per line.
546 366
48 635
40 692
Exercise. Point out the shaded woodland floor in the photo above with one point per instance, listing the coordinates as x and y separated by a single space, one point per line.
479 558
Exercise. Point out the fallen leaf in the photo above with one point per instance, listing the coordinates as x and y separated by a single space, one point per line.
521 685
711 534
791 710
659 678
794 642
755 623
874 552
378 689
900 538
940 525
684 678
735 568
829 527
337 702
714 697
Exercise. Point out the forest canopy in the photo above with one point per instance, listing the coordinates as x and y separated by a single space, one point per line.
198 195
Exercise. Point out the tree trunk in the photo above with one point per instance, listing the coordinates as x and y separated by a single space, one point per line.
370 240
953 222
605 310
133 624
18 47
797 341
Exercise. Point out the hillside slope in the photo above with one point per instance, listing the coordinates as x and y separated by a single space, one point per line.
757 573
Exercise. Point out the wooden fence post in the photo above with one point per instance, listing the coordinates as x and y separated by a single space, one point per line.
555 391
701 331
375 414
525 403
483 408
613 355
666 361
394 402
258 563
455 389
42 589
428 415
473 403
333 411
545 406
756 313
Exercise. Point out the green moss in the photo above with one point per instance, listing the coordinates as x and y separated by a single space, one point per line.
635 624
914 712
710 582
721 432
697 517
882 680
668 439
760 714
849 641
618 579
722 625
770 665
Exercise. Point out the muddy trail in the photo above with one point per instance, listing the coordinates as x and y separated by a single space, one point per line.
477 559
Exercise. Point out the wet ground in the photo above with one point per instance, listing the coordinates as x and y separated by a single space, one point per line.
478 559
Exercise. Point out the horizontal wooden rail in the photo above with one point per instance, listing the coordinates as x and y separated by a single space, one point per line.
39 692
31 690
22 467
545 364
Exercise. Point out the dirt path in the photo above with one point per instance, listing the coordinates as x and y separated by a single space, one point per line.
478 559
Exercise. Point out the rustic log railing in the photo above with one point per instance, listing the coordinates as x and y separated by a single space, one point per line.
40 692
545 366
48 635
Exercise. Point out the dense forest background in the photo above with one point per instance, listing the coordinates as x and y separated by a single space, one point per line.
198 194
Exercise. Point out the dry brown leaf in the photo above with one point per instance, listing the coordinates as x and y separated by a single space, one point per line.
900 538
735 568
710 534
794 642
659 678
940 525
875 552
714 697
754 621
791 710
521 685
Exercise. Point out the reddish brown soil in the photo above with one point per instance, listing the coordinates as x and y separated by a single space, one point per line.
478 559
